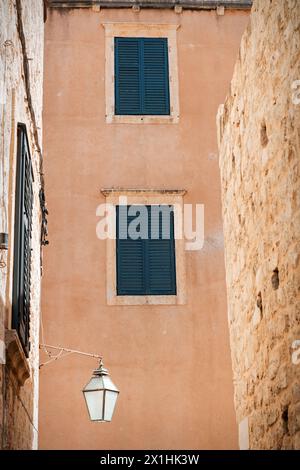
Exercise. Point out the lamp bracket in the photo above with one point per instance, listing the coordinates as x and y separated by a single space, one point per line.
65 352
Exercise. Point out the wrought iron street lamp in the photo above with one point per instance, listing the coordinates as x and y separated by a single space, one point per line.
100 393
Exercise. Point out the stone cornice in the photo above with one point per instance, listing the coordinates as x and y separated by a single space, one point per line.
141 192
185 4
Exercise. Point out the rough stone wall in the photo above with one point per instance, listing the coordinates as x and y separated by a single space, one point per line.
18 405
259 144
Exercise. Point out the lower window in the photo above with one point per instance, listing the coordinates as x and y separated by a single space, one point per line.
145 250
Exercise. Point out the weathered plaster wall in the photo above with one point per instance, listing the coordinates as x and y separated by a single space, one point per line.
18 406
259 129
170 362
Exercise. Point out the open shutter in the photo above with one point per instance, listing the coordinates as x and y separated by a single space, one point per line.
22 250
127 76
155 76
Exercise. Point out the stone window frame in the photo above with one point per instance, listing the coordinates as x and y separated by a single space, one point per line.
146 30
145 197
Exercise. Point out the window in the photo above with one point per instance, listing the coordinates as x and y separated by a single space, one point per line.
141 76
22 243
145 264
145 256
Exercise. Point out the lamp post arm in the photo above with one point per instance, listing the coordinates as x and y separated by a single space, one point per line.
62 350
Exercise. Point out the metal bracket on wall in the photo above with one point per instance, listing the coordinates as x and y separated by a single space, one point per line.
63 352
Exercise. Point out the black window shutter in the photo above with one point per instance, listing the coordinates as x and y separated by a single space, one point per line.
145 266
22 242
141 76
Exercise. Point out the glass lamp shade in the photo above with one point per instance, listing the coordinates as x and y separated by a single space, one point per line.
100 395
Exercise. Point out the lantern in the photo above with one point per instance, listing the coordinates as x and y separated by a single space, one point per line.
100 395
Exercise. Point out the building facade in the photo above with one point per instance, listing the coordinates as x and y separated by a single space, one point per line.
130 97
21 199
259 161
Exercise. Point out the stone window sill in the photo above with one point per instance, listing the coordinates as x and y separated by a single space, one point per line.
144 300
118 119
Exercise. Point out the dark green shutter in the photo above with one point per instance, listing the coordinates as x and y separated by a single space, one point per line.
141 76
130 258
161 264
22 242
145 266
156 76
127 76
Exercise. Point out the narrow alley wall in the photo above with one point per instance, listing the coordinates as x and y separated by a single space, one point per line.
21 79
259 145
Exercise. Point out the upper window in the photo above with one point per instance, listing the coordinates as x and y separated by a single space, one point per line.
145 250
141 76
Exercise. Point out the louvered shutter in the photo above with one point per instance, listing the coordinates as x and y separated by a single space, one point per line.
161 276
145 266
22 250
127 76
130 258
141 76
156 76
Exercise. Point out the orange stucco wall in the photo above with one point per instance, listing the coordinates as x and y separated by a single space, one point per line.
171 363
